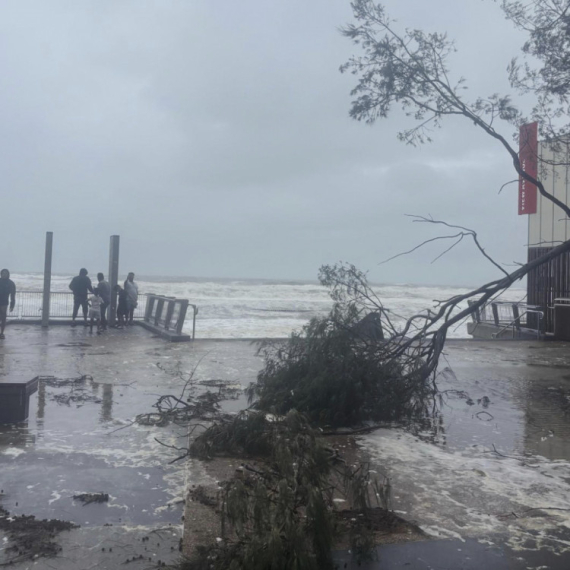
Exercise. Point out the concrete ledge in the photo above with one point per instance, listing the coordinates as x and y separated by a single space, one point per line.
486 331
64 321
15 398
167 335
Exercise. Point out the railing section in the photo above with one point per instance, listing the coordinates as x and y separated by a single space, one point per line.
29 305
164 312
505 313
169 313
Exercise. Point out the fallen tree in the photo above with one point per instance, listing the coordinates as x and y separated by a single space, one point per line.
340 373
410 69
280 511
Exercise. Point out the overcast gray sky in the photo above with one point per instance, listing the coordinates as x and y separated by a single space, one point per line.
214 137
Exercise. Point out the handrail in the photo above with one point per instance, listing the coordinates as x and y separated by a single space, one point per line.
513 322
169 313
195 312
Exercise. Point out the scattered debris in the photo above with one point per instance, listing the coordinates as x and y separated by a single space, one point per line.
377 521
78 397
200 495
31 538
227 389
484 416
294 486
78 394
152 419
60 382
88 498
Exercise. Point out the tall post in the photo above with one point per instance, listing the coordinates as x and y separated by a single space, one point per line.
113 277
47 279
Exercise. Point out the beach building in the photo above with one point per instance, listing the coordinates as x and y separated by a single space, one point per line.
548 286
546 309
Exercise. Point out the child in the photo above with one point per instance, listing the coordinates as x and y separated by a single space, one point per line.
95 310
122 306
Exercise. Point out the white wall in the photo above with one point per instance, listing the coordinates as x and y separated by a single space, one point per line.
549 226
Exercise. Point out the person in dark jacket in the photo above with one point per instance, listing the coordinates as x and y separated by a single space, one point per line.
105 294
80 285
7 296
122 307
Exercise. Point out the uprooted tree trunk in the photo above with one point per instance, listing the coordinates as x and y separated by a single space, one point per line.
421 338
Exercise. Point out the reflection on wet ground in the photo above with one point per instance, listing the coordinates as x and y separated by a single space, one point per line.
493 463
492 466
79 439
518 397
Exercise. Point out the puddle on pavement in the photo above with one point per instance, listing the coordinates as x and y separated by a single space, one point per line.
493 463
490 464
78 438
523 409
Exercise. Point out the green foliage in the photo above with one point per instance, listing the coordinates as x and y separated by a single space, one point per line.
280 518
544 69
243 436
410 69
334 375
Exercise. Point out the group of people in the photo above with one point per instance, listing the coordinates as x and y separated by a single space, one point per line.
95 300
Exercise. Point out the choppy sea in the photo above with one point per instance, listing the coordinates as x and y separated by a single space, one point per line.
253 308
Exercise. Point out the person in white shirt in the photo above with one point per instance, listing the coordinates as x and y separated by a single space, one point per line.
132 291
95 302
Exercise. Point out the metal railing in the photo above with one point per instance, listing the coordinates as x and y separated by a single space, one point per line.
516 325
505 314
169 313
29 305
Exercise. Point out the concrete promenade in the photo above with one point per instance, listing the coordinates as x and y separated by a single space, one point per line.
69 444
479 478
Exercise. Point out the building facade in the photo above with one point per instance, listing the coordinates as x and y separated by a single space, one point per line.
548 225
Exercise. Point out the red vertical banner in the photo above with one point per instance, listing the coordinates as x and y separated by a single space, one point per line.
528 156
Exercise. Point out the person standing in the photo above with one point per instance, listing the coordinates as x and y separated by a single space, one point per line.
122 306
80 285
7 296
95 302
105 294
132 291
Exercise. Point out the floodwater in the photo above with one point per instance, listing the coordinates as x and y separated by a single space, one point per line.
79 439
490 475
494 464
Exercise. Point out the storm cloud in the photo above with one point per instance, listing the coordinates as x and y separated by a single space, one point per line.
214 137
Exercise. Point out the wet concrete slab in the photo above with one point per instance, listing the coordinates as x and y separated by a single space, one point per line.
488 478
493 465
79 439
468 554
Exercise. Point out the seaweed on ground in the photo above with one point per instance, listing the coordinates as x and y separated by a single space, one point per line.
88 498
60 382
30 538
78 393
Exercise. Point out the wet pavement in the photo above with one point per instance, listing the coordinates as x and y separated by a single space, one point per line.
78 439
489 477
493 466
467 554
